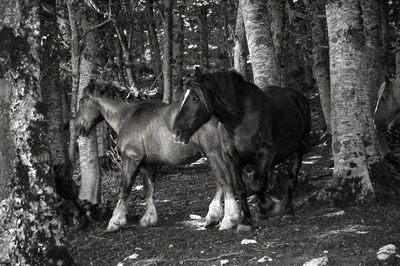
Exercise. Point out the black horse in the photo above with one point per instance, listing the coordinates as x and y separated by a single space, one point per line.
145 141
261 128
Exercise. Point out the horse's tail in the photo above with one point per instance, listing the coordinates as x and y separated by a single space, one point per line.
303 107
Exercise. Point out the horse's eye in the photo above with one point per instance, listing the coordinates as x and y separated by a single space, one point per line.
196 99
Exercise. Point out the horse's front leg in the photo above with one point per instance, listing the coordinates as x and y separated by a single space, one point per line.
130 167
150 217
215 211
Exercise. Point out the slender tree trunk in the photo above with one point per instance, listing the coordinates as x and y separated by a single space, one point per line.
31 233
350 102
320 54
203 31
260 43
240 49
177 54
167 51
52 96
75 62
7 151
153 40
88 153
277 20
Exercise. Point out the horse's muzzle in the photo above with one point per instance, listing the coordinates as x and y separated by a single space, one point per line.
178 138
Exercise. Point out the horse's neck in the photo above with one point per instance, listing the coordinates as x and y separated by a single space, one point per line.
114 112
227 117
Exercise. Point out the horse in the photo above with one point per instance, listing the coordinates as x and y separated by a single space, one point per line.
256 127
145 142
387 116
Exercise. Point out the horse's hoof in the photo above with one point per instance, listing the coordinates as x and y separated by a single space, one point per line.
147 221
243 228
226 224
116 224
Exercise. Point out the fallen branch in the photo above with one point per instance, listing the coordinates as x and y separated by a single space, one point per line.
210 259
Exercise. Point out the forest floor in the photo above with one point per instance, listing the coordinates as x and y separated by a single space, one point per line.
346 236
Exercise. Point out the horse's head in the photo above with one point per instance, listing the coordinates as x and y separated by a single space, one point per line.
196 109
387 111
88 113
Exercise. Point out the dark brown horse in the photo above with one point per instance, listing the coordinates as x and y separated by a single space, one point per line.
261 128
145 141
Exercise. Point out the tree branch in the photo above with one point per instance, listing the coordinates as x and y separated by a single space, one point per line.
95 27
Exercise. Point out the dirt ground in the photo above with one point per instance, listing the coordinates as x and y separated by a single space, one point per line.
350 236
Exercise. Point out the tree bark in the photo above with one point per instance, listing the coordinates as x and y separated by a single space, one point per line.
153 40
7 152
88 153
320 54
30 233
177 53
52 97
75 62
260 43
203 40
351 114
277 20
167 51
240 49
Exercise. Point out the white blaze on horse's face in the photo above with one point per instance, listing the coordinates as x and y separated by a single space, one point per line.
185 97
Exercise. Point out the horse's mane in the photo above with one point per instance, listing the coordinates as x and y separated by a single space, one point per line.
223 87
111 91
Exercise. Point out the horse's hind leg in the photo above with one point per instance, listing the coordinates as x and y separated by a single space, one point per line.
150 217
130 169
293 170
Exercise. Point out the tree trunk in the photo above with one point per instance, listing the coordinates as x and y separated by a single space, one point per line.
75 57
177 54
88 154
167 51
7 152
240 49
52 93
350 102
320 54
30 233
153 40
277 20
203 32
259 41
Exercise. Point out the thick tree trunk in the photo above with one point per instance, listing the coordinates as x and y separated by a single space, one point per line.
350 102
153 40
240 51
31 233
7 152
75 57
52 97
320 54
203 40
167 51
259 41
88 154
177 54
277 20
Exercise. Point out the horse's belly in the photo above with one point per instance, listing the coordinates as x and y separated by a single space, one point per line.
174 154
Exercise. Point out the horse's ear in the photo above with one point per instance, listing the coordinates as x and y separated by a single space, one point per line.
91 85
198 73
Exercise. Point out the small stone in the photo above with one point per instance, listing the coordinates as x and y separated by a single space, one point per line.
321 261
195 217
338 213
248 241
386 251
223 262
265 259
